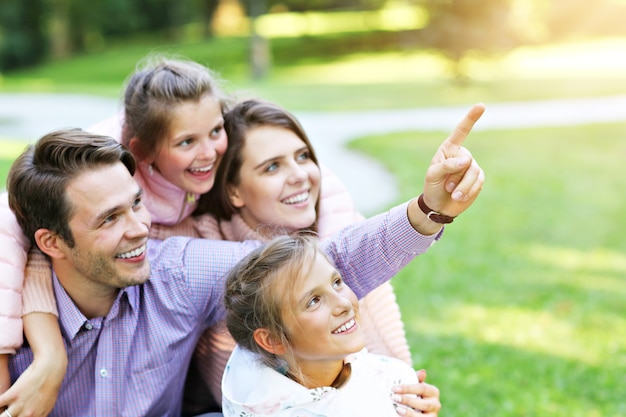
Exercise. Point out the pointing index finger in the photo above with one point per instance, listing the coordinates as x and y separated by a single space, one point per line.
465 126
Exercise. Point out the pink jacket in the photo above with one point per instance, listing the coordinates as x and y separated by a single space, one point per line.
167 203
14 246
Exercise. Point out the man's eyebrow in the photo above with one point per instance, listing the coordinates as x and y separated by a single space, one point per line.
112 210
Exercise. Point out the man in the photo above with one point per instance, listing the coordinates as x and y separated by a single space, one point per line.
131 309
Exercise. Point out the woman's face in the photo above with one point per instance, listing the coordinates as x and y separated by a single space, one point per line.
193 149
279 182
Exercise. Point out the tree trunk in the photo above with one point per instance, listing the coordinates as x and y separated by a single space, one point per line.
260 59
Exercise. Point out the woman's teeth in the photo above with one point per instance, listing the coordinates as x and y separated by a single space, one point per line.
297 198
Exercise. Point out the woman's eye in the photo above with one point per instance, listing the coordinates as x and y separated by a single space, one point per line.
271 167
185 142
304 156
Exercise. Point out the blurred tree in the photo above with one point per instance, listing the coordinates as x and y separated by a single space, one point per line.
260 56
575 18
206 10
22 35
459 27
325 5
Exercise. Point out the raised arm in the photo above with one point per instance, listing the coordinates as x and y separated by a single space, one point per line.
371 252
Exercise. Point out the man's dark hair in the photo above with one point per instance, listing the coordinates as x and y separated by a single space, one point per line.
39 178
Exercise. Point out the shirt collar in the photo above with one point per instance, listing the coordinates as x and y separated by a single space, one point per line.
72 320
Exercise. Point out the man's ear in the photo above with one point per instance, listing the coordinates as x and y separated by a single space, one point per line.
233 196
50 243
263 338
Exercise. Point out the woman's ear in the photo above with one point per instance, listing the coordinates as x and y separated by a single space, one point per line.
50 243
234 197
264 338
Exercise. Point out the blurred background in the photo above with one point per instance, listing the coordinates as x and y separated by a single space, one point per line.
521 308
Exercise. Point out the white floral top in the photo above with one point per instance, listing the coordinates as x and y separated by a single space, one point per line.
251 389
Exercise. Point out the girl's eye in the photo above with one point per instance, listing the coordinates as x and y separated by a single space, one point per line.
313 302
185 142
216 132
137 202
337 283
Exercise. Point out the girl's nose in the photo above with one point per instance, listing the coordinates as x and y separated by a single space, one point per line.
342 304
208 150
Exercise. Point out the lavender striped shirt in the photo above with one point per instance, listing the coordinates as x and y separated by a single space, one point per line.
133 362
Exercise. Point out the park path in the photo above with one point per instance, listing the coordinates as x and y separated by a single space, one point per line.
29 116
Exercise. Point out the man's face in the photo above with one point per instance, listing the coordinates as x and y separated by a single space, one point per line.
110 225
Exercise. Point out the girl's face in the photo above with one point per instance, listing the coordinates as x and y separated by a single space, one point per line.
323 319
190 155
279 182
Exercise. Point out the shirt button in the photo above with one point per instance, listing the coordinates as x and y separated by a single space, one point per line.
103 373
88 326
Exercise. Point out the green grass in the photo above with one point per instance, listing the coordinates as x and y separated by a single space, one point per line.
341 71
519 310
9 150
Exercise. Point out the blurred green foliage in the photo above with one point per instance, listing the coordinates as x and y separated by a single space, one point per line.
519 309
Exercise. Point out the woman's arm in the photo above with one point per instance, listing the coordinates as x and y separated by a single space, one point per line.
36 390
5 378
38 386
14 246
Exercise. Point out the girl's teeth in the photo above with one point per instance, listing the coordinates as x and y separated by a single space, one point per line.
345 327
206 169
